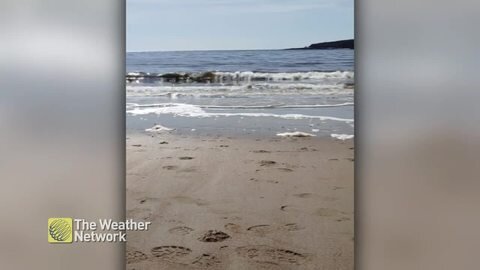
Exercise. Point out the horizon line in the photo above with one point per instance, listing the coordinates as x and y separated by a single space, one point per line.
206 50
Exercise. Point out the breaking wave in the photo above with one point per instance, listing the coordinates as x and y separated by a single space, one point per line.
240 76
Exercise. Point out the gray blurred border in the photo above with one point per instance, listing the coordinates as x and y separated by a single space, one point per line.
417 136
62 122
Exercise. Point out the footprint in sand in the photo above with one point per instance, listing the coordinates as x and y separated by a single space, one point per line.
180 230
289 208
188 200
291 227
327 212
188 170
232 227
185 158
171 253
261 229
214 236
308 149
174 221
267 163
272 181
343 219
303 195
261 151
206 260
170 167
140 214
234 218
269 255
136 256
268 181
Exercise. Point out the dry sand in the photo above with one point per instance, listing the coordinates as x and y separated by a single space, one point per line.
240 203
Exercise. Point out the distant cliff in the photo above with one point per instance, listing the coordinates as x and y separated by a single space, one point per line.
340 44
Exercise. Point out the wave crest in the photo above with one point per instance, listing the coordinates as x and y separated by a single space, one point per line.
241 76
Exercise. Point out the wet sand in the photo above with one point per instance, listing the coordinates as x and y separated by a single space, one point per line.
240 203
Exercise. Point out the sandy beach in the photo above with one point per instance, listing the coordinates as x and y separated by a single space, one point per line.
240 203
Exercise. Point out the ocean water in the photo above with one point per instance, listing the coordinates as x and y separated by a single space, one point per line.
263 92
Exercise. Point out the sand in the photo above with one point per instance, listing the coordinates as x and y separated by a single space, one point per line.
240 203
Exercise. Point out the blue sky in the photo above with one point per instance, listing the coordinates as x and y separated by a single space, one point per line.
168 25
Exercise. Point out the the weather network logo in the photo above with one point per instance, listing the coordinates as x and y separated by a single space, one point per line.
60 230
70 230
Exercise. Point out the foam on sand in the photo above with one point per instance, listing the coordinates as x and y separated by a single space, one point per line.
342 137
169 108
158 129
295 134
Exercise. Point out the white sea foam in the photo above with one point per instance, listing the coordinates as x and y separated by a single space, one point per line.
317 105
169 108
271 106
131 105
134 74
284 116
295 134
342 137
158 129
284 76
258 89
188 110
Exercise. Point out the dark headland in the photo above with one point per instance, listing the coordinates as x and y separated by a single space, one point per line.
339 44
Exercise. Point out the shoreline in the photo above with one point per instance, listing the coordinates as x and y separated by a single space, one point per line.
240 202
245 137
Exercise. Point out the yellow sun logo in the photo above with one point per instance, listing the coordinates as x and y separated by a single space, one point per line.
60 230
